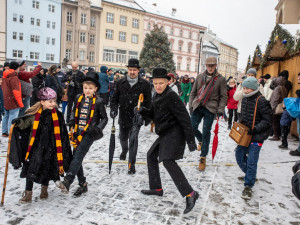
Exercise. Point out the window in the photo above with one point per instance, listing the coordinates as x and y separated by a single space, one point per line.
15 17
68 53
178 65
18 1
181 33
122 36
190 35
93 21
172 31
149 26
109 34
179 47
15 35
35 38
34 55
21 36
38 22
21 18
48 24
188 65
92 39
135 23
171 45
69 35
91 57
49 57
53 25
110 18
47 41
81 55
132 55
108 55
17 53
82 37
134 38
189 48
121 56
35 4
83 18
51 8
69 17
32 21
123 20
53 41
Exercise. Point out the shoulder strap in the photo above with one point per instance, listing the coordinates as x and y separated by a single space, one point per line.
255 111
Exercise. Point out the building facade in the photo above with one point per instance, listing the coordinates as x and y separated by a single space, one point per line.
121 32
209 49
288 12
2 32
33 31
228 60
80 33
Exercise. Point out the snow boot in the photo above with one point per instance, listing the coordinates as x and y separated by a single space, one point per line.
158 192
44 192
295 153
81 189
132 169
202 163
190 202
247 193
26 197
199 146
63 185
282 146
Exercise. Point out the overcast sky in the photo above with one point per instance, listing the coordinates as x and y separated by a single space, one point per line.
241 23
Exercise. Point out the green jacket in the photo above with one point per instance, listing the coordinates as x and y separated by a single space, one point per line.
186 89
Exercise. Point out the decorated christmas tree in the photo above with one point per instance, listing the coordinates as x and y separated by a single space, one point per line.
248 64
157 51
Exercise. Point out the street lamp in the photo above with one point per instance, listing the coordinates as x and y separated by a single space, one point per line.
201 36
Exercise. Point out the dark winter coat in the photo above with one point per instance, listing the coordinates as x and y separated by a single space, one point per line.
51 81
37 83
126 98
231 103
172 124
286 119
42 164
104 80
99 119
75 80
263 119
279 93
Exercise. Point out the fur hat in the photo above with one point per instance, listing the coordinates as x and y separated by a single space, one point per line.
14 65
250 83
46 93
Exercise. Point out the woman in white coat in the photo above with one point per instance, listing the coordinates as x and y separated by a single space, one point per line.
172 84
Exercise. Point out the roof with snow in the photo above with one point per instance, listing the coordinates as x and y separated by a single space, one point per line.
126 3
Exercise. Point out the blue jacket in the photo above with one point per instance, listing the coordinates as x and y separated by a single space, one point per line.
286 119
104 79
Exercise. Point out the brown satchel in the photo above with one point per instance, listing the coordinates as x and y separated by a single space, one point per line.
239 131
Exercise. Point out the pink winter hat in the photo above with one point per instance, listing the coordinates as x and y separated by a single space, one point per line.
46 94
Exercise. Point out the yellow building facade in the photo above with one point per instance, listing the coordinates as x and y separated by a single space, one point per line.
228 60
121 33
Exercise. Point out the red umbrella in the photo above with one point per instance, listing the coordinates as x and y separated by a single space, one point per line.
215 141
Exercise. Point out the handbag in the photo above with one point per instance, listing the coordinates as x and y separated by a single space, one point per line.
26 88
239 131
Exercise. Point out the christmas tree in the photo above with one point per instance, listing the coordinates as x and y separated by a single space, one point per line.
157 51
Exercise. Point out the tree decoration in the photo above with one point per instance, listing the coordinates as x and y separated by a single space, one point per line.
256 57
269 41
284 41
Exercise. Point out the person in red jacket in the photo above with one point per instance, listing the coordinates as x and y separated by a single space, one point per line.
231 103
25 76
12 95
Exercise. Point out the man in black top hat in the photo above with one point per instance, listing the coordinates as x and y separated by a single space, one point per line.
174 128
125 98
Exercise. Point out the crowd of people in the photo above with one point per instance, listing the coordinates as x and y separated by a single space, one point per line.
31 102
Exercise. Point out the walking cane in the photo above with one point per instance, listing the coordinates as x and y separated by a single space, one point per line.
7 161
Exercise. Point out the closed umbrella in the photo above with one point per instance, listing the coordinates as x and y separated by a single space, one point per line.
216 140
112 146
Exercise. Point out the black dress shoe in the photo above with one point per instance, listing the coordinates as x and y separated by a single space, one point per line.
131 170
153 192
123 156
283 146
295 153
81 189
190 202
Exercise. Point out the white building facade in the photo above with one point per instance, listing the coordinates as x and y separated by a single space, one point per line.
34 31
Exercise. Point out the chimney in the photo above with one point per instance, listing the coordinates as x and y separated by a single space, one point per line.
154 4
174 11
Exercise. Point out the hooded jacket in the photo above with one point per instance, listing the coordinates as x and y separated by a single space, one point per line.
104 79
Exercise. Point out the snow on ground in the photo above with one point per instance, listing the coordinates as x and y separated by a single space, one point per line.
116 199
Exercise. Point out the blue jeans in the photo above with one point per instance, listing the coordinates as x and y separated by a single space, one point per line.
8 117
248 164
64 104
76 164
204 137
1 104
298 130
26 103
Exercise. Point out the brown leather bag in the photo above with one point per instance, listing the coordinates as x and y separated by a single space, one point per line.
239 131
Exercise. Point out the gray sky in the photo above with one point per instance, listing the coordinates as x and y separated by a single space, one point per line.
241 23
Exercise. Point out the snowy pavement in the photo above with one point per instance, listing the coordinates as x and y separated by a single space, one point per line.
116 199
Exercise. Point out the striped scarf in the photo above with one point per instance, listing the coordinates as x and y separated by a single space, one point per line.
76 142
56 134
206 89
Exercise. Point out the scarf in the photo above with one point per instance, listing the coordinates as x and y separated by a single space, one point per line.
251 94
56 134
185 81
206 88
76 142
132 81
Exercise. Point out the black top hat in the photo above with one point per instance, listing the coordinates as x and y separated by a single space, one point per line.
133 63
94 77
160 73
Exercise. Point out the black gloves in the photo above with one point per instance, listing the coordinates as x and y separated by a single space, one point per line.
113 114
192 147
251 131
219 115
140 110
94 131
16 121
71 124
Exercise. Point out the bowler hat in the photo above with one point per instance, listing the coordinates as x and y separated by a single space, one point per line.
94 77
160 73
133 63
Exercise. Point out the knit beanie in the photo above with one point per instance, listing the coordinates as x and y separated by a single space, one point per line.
251 70
250 83
14 65
46 94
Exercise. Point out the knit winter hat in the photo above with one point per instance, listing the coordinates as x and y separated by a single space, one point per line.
250 83
46 94
6 64
14 65
252 70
